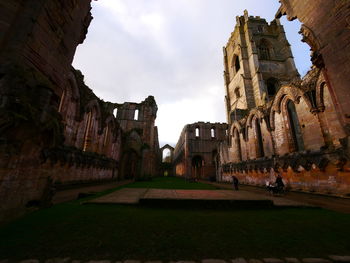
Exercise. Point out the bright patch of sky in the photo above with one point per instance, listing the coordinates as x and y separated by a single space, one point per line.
171 49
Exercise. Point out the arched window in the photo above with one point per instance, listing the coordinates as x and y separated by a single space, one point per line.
166 156
197 132
212 132
272 86
295 129
264 51
237 65
260 144
136 115
238 145
115 112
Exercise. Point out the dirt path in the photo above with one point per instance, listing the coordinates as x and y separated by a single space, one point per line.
328 202
72 194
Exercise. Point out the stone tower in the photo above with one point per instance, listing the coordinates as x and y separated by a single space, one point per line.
257 60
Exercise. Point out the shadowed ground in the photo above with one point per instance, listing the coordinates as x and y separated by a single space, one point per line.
148 233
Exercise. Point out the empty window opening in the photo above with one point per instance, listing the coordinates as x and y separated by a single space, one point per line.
136 115
295 129
260 145
264 51
237 65
272 85
212 132
260 29
115 112
166 156
197 132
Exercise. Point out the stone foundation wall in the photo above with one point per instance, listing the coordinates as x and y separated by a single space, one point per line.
330 180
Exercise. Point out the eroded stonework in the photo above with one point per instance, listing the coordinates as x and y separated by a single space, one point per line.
196 152
54 130
296 128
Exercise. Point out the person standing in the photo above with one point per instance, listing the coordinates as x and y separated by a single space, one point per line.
235 182
279 182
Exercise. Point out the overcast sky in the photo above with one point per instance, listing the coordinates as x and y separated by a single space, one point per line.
171 49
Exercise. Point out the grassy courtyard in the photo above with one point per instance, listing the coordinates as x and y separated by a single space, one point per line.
131 232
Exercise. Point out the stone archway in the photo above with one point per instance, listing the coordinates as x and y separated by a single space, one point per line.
167 167
130 165
197 163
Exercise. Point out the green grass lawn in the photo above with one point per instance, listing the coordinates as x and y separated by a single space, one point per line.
132 232
170 183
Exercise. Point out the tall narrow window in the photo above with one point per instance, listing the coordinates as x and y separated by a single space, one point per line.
295 127
115 112
238 145
264 51
212 132
260 144
136 115
197 132
237 65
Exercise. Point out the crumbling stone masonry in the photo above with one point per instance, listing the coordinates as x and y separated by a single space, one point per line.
53 128
141 154
279 123
196 155
37 44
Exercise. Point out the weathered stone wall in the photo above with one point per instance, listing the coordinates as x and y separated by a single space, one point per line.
196 153
53 129
326 26
321 165
137 120
303 129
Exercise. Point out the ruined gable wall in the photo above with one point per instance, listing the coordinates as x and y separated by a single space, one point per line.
204 145
144 125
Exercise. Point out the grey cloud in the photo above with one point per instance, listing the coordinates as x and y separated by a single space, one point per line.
122 61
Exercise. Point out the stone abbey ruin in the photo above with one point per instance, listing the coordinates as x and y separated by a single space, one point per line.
54 131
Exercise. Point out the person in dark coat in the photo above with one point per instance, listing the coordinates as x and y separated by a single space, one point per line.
279 182
235 182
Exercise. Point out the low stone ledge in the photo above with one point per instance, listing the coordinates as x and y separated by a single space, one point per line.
238 260
58 260
213 261
292 260
340 259
315 260
273 260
